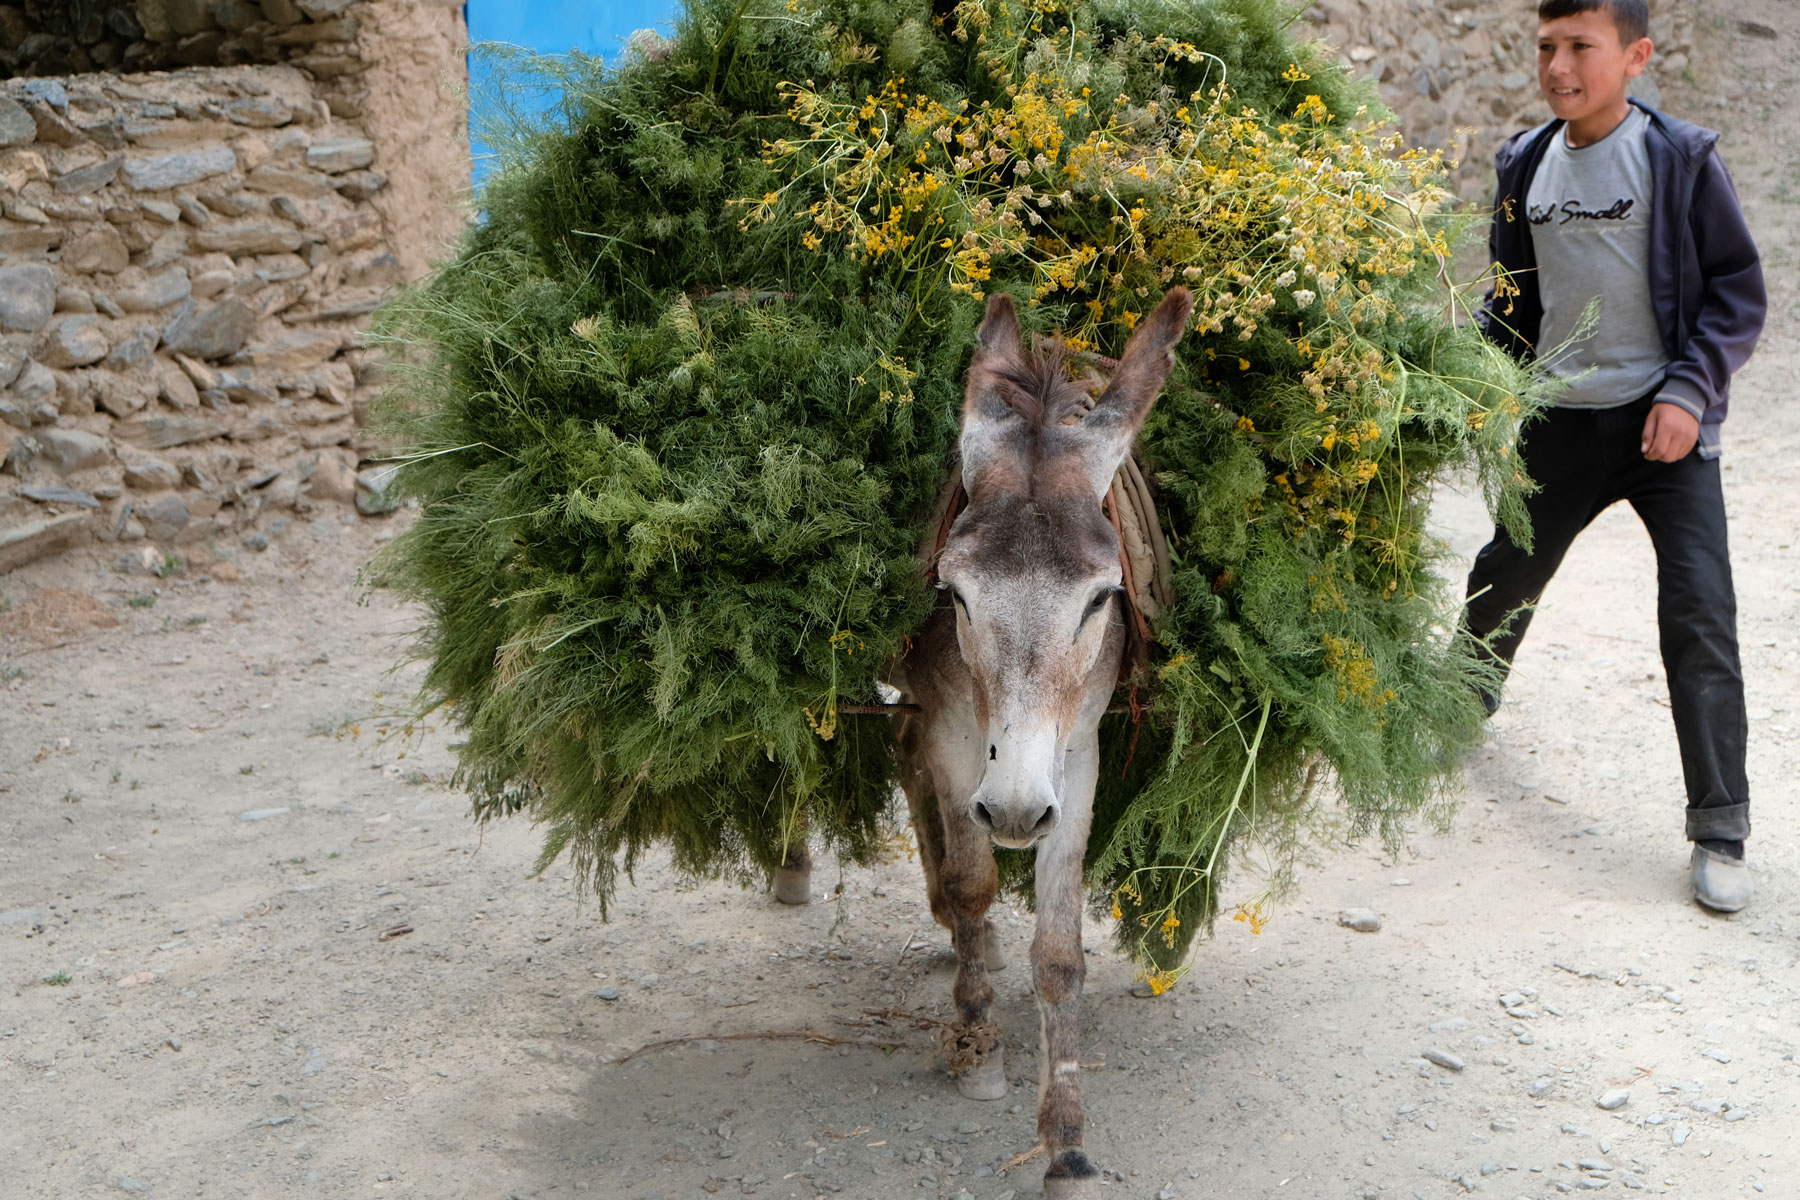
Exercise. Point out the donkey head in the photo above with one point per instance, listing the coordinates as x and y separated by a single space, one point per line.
1032 564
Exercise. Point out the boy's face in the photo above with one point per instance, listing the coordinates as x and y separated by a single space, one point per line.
1583 65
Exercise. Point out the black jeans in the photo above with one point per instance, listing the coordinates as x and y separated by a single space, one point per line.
1584 460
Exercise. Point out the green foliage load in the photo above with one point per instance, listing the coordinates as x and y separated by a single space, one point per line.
680 407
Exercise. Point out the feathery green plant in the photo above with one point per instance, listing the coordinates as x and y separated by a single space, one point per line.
680 405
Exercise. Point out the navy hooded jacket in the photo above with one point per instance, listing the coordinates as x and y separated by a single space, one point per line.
1705 277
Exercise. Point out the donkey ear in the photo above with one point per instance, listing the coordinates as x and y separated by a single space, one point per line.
999 332
993 434
1110 428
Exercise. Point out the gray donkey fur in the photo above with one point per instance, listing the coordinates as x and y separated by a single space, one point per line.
1012 674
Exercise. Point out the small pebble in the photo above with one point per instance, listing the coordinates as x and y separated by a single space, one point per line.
261 814
1512 1000
1613 1100
609 992
1363 920
1490 1167
1678 1136
1448 1061
175 1044
1540 1087
1716 1054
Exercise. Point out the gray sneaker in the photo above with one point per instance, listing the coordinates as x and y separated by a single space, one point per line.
1721 883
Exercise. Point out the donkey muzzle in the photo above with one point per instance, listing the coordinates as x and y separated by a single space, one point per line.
1017 819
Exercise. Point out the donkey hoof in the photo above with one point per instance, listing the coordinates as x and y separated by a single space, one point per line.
1063 1187
793 885
990 948
986 1082
1071 1177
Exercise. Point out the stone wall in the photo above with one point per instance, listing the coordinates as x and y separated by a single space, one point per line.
1463 74
187 262
68 37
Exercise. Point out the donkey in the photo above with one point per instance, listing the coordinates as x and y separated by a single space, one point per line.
1012 673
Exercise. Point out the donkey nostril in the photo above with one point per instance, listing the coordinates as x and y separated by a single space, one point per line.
992 755
982 816
1046 821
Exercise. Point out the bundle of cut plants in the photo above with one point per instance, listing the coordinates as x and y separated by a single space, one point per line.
680 409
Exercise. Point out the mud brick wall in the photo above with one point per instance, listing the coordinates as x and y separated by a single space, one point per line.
1463 74
188 259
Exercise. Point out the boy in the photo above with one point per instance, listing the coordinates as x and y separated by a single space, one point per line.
1615 201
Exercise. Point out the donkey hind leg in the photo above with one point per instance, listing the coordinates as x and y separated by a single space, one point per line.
793 878
928 828
1058 969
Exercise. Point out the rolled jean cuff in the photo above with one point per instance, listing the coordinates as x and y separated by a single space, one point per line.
1728 823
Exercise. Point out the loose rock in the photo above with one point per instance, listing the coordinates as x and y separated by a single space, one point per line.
74 449
1613 1100
152 474
73 341
27 297
1448 1061
100 250
337 155
16 125
217 331
1363 920
163 518
162 171
50 494
158 291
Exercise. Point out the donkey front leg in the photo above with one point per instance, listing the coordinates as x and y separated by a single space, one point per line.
968 879
1058 970
928 828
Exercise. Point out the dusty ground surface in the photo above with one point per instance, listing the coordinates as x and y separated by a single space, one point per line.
249 948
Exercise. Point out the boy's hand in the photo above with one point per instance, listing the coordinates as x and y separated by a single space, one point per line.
1669 433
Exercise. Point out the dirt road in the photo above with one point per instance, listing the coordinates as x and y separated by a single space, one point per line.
249 948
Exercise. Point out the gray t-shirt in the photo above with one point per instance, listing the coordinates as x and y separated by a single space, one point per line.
1589 208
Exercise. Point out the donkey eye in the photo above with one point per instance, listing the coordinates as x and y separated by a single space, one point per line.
1100 601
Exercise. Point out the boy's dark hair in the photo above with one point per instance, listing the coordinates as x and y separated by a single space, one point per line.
1630 17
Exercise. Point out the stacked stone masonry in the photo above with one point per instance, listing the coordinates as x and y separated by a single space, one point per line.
1462 74
187 264
70 37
